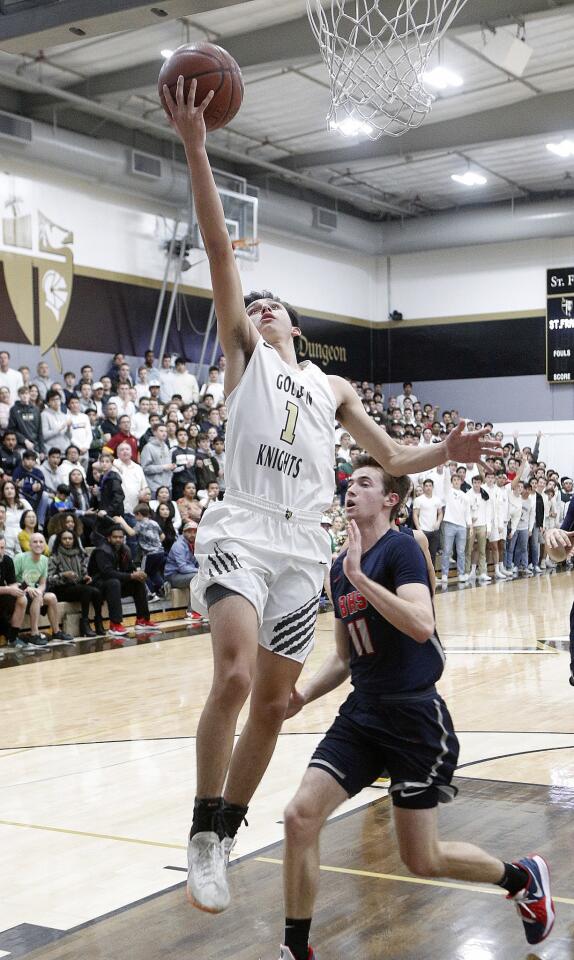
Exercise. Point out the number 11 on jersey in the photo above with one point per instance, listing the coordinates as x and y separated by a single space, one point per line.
288 432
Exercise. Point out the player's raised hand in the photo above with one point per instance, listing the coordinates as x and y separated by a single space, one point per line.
186 117
296 703
352 561
471 447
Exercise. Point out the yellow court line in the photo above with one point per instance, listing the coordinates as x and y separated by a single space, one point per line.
96 836
470 888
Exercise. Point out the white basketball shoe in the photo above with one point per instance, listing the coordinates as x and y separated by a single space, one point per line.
207 859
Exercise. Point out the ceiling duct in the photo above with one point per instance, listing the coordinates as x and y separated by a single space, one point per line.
104 162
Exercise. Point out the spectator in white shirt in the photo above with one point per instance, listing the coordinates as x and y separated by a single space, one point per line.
481 519
427 516
456 521
72 462
166 375
185 384
407 392
496 489
124 403
10 378
133 479
142 385
140 420
213 386
80 430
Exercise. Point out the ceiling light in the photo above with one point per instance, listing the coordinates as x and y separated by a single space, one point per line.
441 78
469 179
166 54
351 127
563 149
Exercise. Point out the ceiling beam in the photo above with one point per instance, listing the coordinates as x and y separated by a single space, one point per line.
29 29
291 40
550 113
375 201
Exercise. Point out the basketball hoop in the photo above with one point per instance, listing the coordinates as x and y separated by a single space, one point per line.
376 61
246 247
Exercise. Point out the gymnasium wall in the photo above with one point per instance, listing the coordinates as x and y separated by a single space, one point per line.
474 316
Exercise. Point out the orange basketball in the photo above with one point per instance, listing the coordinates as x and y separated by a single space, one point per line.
214 69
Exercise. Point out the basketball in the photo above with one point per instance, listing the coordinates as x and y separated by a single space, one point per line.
214 69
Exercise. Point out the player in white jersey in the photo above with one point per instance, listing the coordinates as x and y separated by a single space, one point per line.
262 551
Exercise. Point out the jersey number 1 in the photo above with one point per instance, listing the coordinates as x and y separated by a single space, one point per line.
288 432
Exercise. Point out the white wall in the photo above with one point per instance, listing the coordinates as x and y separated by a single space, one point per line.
493 278
126 238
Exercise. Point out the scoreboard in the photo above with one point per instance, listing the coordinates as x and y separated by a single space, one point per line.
560 325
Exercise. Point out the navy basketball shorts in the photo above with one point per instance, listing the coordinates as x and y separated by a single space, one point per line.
411 741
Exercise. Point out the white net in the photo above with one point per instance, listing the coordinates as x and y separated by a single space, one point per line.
376 52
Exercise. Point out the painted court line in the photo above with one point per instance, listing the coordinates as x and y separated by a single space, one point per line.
470 888
96 836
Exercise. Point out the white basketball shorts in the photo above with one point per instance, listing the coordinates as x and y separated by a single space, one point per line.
273 556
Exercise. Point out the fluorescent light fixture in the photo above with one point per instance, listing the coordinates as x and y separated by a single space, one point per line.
351 127
166 53
441 78
563 149
469 179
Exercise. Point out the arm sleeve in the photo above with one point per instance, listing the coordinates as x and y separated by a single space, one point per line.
408 563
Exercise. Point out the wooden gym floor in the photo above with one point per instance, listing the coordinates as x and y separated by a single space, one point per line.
96 784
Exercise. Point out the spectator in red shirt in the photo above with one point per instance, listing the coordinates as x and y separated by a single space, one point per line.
124 435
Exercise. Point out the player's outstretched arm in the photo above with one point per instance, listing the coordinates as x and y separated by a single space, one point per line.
330 675
398 460
236 332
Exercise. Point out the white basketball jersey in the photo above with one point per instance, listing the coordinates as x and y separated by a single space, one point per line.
280 437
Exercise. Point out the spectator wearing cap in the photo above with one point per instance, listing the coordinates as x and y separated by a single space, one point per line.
97 400
55 423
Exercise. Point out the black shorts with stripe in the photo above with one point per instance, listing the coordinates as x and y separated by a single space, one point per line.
411 741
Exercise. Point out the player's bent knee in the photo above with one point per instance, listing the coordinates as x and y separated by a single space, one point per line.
420 864
301 825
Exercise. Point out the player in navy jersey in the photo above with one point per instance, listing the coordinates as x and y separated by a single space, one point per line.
394 721
560 545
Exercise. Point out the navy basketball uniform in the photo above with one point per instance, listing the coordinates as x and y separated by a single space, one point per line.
394 722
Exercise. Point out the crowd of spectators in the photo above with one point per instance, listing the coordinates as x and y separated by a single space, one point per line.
103 483
102 486
470 515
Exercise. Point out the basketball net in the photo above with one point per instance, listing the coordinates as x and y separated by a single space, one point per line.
376 60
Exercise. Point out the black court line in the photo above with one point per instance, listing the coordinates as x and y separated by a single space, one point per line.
286 733
519 753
